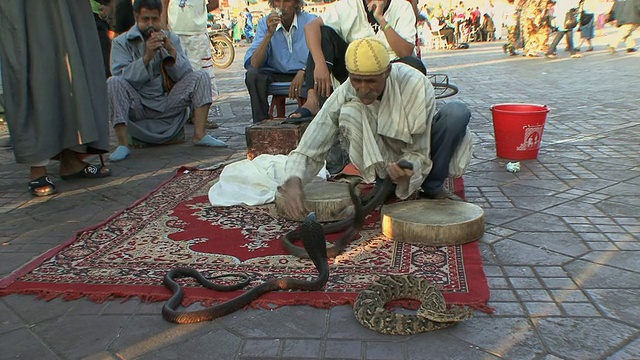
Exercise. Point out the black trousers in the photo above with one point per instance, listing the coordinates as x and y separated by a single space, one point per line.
105 42
334 49
258 81
558 38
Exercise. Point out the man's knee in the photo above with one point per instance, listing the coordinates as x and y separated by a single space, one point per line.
252 76
456 113
116 82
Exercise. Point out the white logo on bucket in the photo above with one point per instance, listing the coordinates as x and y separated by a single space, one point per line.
532 137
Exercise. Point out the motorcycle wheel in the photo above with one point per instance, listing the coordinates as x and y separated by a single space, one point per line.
222 51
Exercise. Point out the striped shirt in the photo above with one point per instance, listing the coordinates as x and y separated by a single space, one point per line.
396 127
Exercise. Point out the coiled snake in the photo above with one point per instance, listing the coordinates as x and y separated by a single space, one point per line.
315 245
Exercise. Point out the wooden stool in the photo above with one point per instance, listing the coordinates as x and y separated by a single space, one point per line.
273 137
279 92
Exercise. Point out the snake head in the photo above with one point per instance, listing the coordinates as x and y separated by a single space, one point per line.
312 237
311 217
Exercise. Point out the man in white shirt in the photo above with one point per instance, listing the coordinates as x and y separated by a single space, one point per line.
390 22
188 19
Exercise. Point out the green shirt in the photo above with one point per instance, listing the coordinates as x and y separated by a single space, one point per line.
95 6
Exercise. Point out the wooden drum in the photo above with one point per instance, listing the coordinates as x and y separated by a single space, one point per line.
327 199
433 222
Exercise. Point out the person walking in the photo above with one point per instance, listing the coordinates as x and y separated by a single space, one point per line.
627 18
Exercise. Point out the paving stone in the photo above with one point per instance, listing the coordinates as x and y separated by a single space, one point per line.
581 338
559 283
593 276
539 309
301 348
507 308
558 242
525 283
9 321
513 252
23 344
212 345
508 338
34 311
384 350
288 320
568 296
621 304
533 295
629 351
579 309
75 337
343 349
261 347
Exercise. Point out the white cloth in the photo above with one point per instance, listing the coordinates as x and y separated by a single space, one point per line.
187 17
198 50
349 19
251 182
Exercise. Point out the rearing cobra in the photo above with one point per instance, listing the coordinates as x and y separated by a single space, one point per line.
353 224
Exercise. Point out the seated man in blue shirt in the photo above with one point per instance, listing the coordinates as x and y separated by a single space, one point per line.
278 54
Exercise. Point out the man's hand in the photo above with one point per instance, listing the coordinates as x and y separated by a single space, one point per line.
167 44
398 174
293 195
376 7
153 44
295 90
322 80
272 22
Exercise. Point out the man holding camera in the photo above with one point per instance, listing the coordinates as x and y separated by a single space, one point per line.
153 86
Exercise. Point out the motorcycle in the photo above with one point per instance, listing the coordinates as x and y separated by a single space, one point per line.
222 51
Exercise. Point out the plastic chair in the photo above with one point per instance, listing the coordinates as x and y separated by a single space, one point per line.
279 92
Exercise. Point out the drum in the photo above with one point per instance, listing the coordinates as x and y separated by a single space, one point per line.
329 200
433 222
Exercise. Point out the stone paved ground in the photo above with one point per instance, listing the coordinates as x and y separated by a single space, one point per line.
560 250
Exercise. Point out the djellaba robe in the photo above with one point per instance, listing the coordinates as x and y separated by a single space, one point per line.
54 83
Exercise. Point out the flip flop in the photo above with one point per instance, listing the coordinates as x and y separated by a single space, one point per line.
305 115
89 172
42 182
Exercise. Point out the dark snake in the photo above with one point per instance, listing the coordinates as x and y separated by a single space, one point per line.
352 224
315 245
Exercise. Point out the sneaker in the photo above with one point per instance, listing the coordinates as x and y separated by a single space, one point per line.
550 56
630 50
576 55
612 49
590 48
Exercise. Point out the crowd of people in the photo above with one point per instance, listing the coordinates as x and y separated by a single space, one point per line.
533 23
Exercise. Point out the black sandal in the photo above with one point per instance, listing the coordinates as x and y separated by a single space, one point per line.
90 172
40 183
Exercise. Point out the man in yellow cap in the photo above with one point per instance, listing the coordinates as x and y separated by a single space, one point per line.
384 113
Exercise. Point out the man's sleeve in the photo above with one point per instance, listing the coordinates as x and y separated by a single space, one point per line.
260 35
335 16
182 66
123 64
405 22
419 151
308 158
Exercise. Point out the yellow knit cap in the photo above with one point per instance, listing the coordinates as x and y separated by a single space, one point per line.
367 57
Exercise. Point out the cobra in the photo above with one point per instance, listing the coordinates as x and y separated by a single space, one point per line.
314 244
352 224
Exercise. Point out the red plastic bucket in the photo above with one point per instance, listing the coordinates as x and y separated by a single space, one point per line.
518 129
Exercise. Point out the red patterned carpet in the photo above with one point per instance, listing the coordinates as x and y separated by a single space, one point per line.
175 226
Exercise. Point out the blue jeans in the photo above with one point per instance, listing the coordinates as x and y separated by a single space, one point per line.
447 130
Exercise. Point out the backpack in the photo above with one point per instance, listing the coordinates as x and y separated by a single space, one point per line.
571 19
585 18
